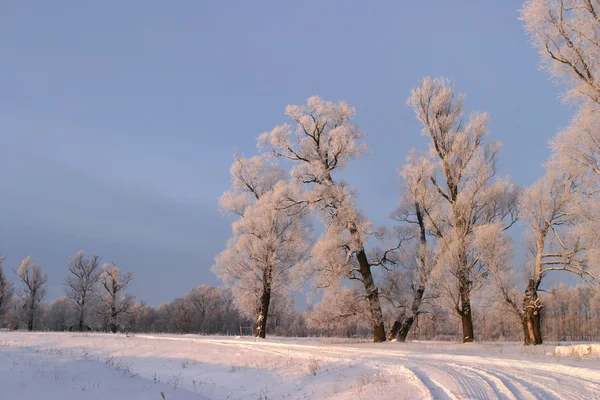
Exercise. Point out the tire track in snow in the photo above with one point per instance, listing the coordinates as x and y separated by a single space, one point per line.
532 387
502 391
521 392
428 385
562 381
470 388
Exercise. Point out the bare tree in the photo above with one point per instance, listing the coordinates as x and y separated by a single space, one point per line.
6 291
116 301
33 291
462 169
81 283
321 141
270 242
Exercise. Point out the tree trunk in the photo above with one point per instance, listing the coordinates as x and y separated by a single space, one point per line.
467 325
30 320
526 335
531 315
372 296
464 309
113 320
395 328
466 316
263 312
80 325
402 325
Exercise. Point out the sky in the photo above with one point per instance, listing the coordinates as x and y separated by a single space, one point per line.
119 120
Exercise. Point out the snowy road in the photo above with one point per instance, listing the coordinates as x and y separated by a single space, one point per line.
228 368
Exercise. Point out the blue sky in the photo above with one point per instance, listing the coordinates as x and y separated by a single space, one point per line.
118 120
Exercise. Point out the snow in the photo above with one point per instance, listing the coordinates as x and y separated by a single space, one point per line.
578 350
105 366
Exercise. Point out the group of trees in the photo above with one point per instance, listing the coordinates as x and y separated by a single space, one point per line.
95 296
451 241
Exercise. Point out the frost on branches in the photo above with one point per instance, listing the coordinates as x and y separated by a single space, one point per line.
468 200
550 208
271 241
320 141
32 292
6 292
116 303
567 34
84 274
405 288
561 209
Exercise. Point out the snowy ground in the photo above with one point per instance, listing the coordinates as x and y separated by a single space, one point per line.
104 366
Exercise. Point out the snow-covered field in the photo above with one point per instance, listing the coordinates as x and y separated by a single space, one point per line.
103 366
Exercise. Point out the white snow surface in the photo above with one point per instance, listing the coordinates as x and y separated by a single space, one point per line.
105 366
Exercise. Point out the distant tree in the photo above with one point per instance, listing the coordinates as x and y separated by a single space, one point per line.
60 315
32 292
117 303
181 315
84 274
340 311
462 170
142 318
567 35
270 242
6 291
321 141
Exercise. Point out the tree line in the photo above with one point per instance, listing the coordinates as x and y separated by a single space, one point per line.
570 313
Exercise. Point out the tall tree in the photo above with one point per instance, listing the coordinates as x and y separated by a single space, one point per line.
33 291
567 34
116 301
270 241
81 283
6 291
462 174
418 200
321 141
556 243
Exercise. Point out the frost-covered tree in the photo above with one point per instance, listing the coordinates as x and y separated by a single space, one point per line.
116 303
82 281
556 243
270 241
405 287
60 315
566 218
6 291
469 198
321 141
340 311
576 153
567 34
32 292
